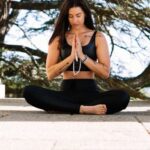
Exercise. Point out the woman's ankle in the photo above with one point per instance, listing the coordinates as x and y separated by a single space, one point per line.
81 111
99 109
86 109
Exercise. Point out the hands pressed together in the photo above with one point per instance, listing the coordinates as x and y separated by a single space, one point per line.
77 52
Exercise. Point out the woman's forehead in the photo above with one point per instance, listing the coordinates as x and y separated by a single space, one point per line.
75 10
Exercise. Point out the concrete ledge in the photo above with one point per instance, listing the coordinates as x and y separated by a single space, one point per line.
12 101
14 105
21 101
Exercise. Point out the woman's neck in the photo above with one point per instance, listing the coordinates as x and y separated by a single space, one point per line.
79 31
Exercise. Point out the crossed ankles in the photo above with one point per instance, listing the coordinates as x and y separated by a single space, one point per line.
99 109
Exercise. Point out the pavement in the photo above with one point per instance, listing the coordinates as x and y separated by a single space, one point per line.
23 127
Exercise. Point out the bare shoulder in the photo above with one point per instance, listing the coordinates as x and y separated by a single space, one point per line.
55 41
100 38
54 44
100 35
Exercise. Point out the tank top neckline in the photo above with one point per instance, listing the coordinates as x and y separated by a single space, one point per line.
83 45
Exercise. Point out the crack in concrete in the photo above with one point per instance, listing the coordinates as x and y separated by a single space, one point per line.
139 121
54 145
4 115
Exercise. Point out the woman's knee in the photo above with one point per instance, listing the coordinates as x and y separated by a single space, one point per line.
124 97
28 92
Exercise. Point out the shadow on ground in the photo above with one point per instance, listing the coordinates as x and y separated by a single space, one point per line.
125 116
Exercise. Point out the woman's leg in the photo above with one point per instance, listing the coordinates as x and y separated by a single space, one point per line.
93 102
49 100
115 101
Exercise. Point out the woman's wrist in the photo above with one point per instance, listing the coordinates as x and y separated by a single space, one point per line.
71 57
84 58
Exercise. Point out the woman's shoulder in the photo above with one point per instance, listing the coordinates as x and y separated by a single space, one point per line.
99 34
100 38
55 43
55 40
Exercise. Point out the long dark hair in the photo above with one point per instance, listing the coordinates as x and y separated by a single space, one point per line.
62 23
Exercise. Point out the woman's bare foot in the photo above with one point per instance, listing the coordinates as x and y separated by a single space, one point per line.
99 109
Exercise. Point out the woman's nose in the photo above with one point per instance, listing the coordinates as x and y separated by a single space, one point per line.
75 20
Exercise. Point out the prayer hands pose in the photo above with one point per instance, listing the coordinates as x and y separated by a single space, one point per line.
76 48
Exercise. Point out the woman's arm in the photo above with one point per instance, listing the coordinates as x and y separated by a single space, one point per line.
102 67
53 67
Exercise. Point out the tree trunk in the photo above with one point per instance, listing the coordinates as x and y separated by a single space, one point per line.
4 14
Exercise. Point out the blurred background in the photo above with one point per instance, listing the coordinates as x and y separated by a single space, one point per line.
27 25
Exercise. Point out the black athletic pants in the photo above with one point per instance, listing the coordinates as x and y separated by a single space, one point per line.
73 93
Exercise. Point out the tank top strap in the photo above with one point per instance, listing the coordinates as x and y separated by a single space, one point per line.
93 36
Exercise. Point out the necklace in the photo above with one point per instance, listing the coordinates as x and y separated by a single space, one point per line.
76 72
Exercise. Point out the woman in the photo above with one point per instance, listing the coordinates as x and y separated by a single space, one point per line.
79 52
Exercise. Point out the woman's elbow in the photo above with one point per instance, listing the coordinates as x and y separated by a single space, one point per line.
105 75
49 73
49 76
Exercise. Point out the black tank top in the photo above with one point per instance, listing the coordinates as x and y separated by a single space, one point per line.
89 50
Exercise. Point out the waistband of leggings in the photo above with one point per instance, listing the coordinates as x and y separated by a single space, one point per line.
78 80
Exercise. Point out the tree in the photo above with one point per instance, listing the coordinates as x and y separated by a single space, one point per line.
125 17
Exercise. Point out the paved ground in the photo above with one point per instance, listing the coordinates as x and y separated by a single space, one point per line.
23 127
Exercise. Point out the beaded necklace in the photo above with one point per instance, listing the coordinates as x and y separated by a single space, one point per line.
76 72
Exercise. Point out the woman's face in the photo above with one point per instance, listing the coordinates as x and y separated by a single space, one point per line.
76 17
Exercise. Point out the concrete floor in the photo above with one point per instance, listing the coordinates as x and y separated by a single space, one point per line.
23 127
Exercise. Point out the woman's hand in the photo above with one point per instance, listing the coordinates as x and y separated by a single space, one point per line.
78 47
73 52
76 52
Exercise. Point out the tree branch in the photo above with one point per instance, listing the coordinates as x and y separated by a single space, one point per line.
116 83
28 5
24 49
141 81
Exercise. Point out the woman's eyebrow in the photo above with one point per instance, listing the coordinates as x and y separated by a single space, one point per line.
76 14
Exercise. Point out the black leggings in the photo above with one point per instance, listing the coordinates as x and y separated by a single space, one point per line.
73 94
